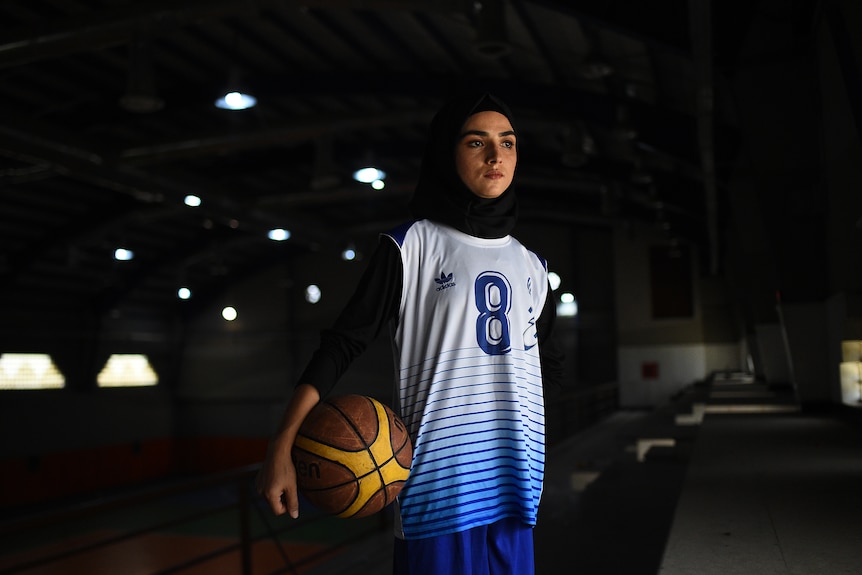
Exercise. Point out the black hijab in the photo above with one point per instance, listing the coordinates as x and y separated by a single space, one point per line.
440 194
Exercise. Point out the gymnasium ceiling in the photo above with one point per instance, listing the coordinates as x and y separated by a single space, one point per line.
107 123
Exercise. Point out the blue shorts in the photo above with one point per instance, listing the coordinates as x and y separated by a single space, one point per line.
502 548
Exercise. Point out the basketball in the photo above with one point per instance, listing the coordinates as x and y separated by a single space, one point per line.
352 456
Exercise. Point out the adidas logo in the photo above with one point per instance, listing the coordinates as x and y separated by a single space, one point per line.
444 281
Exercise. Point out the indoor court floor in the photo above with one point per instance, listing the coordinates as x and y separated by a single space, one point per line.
727 477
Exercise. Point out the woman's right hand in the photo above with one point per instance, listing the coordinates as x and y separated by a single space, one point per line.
276 480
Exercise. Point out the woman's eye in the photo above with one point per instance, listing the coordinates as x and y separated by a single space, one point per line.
475 144
508 144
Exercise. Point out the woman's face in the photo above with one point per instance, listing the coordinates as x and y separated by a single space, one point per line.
485 154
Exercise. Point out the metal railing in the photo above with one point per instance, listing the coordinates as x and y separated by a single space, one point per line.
229 493
232 493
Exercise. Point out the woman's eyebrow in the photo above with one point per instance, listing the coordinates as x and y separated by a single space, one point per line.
485 134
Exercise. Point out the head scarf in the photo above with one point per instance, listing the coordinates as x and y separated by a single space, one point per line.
440 193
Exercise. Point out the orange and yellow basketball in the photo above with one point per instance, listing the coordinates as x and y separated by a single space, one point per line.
352 456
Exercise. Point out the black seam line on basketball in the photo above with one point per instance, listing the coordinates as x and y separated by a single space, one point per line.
383 485
356 430
345 467
356 479
394 455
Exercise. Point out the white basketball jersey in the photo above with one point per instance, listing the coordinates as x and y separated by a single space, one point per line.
469 379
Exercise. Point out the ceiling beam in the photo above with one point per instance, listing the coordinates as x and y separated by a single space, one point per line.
99 29
295 131
661 25
66 158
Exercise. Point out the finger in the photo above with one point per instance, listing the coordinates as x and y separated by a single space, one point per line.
290 503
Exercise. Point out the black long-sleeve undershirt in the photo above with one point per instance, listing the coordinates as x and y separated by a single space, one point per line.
371 308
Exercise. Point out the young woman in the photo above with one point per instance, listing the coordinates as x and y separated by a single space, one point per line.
469 312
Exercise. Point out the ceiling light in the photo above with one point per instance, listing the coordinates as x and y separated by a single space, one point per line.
312 294
229 313
278 234
29 371
123 255
378 184
192 201
568 306
184 293
236 100
127 370
369 175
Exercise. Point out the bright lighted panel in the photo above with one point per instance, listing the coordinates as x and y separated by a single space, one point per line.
127 370
29 371
851 372
851 383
